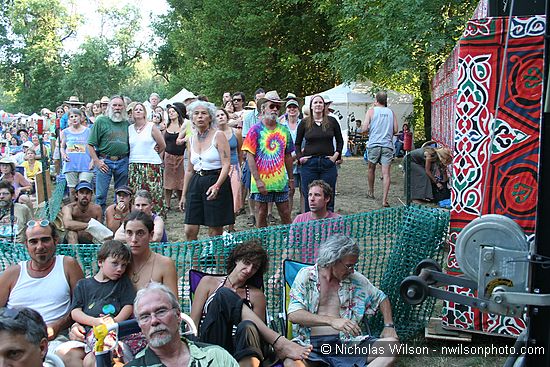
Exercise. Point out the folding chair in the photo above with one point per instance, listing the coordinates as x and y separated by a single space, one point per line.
290 270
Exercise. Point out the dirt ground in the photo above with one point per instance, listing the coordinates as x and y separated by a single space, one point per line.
351 196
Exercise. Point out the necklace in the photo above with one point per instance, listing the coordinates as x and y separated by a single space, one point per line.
139 129
136 274
42 270
202 136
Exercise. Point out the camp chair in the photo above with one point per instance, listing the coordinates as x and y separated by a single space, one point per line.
290 270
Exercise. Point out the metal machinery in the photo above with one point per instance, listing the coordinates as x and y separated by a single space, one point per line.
495 257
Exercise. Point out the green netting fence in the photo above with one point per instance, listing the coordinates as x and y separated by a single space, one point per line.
392 242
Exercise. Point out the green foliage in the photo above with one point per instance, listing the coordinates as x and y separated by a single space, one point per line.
213 46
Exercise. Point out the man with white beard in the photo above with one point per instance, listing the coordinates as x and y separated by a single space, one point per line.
269 148
108 146
158 314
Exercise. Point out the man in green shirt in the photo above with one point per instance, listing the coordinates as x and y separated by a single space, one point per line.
108 146
158 314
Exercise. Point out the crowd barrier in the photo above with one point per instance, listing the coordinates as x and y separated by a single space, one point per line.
392 241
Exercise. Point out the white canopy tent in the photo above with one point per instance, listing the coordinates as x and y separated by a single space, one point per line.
181 96
352 100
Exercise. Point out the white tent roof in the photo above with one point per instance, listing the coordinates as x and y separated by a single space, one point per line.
181 96
361 92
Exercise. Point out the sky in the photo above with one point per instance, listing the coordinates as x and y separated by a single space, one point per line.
88 10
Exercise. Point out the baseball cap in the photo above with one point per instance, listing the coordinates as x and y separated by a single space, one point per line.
27 144
124 189
292 102
84 185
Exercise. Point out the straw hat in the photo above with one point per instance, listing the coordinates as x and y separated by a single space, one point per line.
104 100
73 100
8 160
250 106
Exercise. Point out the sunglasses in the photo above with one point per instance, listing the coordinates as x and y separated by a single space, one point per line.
237 100
41 223
11 313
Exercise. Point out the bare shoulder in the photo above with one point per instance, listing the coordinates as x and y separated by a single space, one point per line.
10 275
165 261
96 208
257 295
110 209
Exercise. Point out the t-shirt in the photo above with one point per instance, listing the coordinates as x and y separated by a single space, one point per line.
319 142
21 215
31 172
110 138
98 299
269 147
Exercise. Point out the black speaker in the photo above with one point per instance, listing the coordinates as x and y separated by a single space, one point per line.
501 8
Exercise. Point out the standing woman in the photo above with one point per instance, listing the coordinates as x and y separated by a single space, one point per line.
235 140
158 120
146 150
318 157
207 198
173 157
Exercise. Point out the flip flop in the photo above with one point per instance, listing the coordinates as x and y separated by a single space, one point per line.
386 205
370 196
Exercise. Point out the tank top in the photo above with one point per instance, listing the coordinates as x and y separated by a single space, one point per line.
77 150
381 128
209 159
233 144
55 293
164 238
142 145
211 297
171 146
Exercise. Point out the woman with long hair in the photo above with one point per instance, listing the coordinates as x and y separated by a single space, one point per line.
173 157
235 140
429 173
318 157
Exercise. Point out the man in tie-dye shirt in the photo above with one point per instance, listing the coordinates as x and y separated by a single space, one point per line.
269 147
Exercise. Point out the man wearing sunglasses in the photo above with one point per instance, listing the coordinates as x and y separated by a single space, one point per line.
328 305
13 216
45 282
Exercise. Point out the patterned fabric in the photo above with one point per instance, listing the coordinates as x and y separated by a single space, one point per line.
269 147
358 297
497 175
146 176
204 356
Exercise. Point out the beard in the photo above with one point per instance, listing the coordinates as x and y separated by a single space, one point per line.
159 340
271 116
118 116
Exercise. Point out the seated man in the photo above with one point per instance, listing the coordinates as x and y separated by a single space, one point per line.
328 302
53 276
158 314
142 202
23 338
115 213
13 216
319 195
77 215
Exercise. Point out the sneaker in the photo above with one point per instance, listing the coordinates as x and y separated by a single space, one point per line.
251 222
271 219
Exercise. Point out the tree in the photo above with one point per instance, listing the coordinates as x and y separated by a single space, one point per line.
30 50
399 44
213 46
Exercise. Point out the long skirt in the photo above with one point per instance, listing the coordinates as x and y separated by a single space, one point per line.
147 176
173 172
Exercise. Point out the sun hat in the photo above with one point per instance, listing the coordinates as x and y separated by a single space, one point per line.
104 100
73 100
271 96
250 106
27 144
8 160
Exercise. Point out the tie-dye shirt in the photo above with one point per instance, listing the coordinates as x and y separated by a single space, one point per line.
269 147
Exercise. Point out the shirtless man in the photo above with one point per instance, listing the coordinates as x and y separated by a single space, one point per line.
143 203
77 215
115 213
320 318
146 265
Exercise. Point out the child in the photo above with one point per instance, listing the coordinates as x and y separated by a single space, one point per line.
107 297
31 165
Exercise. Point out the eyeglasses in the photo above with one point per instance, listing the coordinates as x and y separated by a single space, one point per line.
159 314
350 267
41 223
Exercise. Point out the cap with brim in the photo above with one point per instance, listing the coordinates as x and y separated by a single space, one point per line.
292 102
22 130
84 185
27 144
250 106
8 160
74 100
125 189
271 96
327 99
104 100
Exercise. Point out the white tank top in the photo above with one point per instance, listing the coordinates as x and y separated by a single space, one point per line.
142 145
209 159
50 296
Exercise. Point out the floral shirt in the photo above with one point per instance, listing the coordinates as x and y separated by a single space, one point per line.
358 297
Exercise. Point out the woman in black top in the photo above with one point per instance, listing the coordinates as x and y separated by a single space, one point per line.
173 155
318 157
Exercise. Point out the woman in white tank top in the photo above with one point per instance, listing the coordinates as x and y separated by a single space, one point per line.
145 168
207 198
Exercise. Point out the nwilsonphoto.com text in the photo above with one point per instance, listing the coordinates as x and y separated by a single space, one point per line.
444 350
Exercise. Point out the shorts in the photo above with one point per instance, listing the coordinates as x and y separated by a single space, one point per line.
212 213
271 197
56 153
246 175
73 178
381 155
327 349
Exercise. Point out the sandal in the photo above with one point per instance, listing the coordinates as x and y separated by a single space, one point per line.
386 205
370 195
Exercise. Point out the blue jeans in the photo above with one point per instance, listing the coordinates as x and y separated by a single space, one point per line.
118 170
318 168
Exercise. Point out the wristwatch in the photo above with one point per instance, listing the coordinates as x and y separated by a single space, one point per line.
389 325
